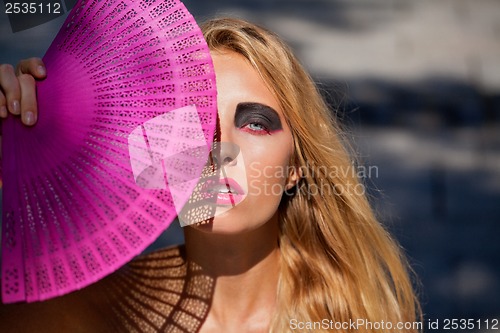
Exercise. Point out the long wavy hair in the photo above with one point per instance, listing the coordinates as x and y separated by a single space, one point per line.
337 261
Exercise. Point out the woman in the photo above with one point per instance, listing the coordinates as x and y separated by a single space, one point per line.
300 251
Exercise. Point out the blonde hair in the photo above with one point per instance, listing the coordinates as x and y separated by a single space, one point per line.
337 262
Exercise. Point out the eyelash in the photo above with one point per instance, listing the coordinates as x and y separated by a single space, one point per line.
263 131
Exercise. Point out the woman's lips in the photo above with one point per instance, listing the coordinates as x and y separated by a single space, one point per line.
226 191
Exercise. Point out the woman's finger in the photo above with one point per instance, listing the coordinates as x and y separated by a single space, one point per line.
3 106
32 66
9 86
29 113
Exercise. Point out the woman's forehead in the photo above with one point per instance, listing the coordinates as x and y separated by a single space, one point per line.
238 81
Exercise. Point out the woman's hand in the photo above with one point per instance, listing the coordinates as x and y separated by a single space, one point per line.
18 91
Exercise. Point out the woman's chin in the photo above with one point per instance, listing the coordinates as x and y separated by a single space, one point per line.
225 224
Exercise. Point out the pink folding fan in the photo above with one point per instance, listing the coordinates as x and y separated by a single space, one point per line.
126 118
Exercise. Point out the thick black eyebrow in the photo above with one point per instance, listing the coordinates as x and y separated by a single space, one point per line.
249 111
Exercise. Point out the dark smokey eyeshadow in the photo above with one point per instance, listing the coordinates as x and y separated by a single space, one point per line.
262 114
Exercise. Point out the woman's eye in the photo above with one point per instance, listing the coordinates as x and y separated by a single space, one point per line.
256 119
256 127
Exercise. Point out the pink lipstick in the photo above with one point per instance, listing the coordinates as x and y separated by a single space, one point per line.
226 190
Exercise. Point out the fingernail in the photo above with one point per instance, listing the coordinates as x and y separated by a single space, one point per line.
41 70
16 109
29 118
3 111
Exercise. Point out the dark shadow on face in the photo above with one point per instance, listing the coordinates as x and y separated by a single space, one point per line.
200 208
216 191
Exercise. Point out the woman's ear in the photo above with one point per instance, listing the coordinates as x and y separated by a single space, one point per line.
294 175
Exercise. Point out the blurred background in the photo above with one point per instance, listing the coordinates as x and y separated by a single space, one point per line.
417 85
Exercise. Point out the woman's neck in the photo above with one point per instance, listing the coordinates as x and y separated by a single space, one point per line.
246 271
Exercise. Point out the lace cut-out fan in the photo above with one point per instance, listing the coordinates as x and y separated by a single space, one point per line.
126 117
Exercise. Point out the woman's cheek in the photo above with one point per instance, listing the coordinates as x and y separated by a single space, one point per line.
266 163
266 178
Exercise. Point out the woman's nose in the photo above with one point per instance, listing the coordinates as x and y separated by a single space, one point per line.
224 154
224 151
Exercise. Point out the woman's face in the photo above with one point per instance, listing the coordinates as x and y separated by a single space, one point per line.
250 160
